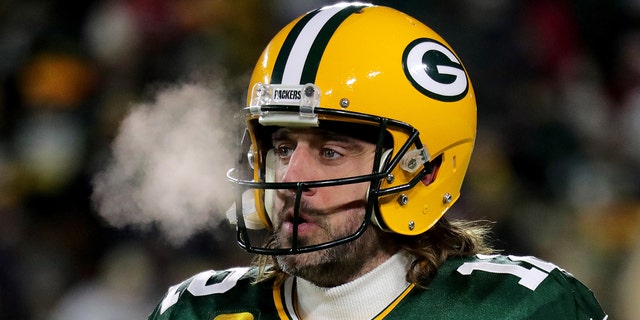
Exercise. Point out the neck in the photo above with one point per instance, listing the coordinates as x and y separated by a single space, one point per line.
361 298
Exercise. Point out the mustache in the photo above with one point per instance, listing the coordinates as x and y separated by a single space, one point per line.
308 210
289 204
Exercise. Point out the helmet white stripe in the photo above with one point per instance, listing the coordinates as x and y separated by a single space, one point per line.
298 56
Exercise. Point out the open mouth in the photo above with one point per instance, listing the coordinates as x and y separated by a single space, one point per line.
297 220
301 222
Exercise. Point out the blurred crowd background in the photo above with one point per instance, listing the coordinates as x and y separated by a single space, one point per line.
557 161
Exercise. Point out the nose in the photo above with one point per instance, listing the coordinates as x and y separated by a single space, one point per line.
301 167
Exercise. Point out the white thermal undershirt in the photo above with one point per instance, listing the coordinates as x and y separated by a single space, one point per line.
362 298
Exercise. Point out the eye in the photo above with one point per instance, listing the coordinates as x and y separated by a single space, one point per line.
284 151
330 153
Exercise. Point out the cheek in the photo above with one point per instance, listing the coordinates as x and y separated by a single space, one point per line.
347 222
351 191
350 195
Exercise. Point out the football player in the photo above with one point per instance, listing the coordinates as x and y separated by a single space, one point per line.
360 123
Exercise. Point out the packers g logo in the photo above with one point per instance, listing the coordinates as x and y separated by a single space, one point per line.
434 70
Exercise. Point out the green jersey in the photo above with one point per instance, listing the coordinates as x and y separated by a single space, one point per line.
479 287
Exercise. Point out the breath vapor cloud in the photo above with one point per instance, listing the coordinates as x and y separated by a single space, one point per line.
169 162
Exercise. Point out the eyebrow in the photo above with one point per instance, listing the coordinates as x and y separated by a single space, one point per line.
285 133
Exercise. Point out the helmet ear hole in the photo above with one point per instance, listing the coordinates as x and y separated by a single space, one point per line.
432 168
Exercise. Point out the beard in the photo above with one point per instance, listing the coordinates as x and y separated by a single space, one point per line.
336 265
339 264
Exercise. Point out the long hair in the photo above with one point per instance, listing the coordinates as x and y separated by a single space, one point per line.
457 238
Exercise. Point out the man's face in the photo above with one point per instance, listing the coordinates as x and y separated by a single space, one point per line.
326 213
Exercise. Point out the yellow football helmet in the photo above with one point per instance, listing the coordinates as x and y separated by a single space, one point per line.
362 65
